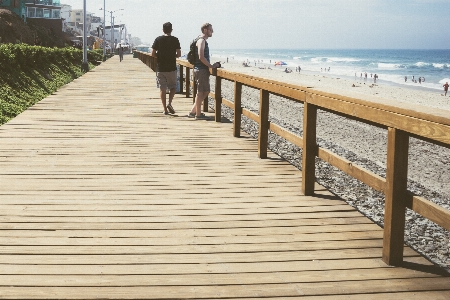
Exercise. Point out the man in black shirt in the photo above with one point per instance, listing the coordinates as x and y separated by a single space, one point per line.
166 48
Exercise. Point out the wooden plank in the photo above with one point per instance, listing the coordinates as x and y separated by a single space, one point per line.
200 240
192 258
249 290
309 148
420 112
434 131
228 103
152 233
218 99
429 210
396 181
189 248
287 135
251 115
263 132
198 279
294 92
90 209
371 179
237 109
207 268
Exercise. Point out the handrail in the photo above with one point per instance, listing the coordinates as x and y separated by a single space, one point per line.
400 121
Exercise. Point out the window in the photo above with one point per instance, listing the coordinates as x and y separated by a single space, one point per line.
56 14
39 13
31 12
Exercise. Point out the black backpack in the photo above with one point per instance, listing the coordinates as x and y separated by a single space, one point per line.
191 54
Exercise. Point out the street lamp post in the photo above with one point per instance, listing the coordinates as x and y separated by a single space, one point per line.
113 48
84 65
112 29
104 30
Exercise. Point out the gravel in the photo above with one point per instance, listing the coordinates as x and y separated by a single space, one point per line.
365 146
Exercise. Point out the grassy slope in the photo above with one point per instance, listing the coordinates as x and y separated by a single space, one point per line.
31 73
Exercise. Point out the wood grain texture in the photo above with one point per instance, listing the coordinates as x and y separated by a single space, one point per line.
103 196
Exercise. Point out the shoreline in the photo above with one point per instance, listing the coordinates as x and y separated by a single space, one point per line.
365 89
362 144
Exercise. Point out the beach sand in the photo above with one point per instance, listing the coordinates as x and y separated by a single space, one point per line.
360 143
344 85
428 163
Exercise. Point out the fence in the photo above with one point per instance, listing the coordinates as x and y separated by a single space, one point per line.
400 123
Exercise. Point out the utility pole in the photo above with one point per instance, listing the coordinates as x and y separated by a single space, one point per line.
104 30
112 33
84 65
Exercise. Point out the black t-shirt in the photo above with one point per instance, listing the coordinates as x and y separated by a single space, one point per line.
166 49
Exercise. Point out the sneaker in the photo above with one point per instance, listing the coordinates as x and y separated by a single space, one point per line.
170 108
191 115
202 117
165 112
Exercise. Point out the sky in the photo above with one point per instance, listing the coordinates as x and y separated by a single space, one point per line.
287 24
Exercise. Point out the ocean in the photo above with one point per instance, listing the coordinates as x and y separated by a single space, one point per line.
391 66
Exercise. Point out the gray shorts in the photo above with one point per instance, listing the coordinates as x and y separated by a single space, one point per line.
201 77
166 80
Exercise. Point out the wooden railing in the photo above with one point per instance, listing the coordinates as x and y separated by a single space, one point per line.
401 123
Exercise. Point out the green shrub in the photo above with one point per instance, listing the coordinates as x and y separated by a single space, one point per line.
31 73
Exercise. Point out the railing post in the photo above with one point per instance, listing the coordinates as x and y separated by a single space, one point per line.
188 82
263 134
218 98
181 78
396 185
237 109
309 149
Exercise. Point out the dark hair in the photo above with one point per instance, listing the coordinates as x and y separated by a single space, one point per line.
205 26
167 27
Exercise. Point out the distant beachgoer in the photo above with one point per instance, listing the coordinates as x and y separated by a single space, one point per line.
375 77
299 69
413 78
420 80
328 69
445 88
166 48
406 78
227 59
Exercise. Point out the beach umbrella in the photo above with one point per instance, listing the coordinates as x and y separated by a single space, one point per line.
280 63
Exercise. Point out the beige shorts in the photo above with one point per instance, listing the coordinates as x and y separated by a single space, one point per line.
201 77
166 80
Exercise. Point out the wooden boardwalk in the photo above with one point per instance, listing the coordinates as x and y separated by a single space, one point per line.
102 196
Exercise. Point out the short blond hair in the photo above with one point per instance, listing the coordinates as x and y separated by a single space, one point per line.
205 26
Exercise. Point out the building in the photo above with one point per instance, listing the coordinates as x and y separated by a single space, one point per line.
36 9
43 9
16 6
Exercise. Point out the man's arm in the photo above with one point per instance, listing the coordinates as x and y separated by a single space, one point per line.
154 53
201 54
178 53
